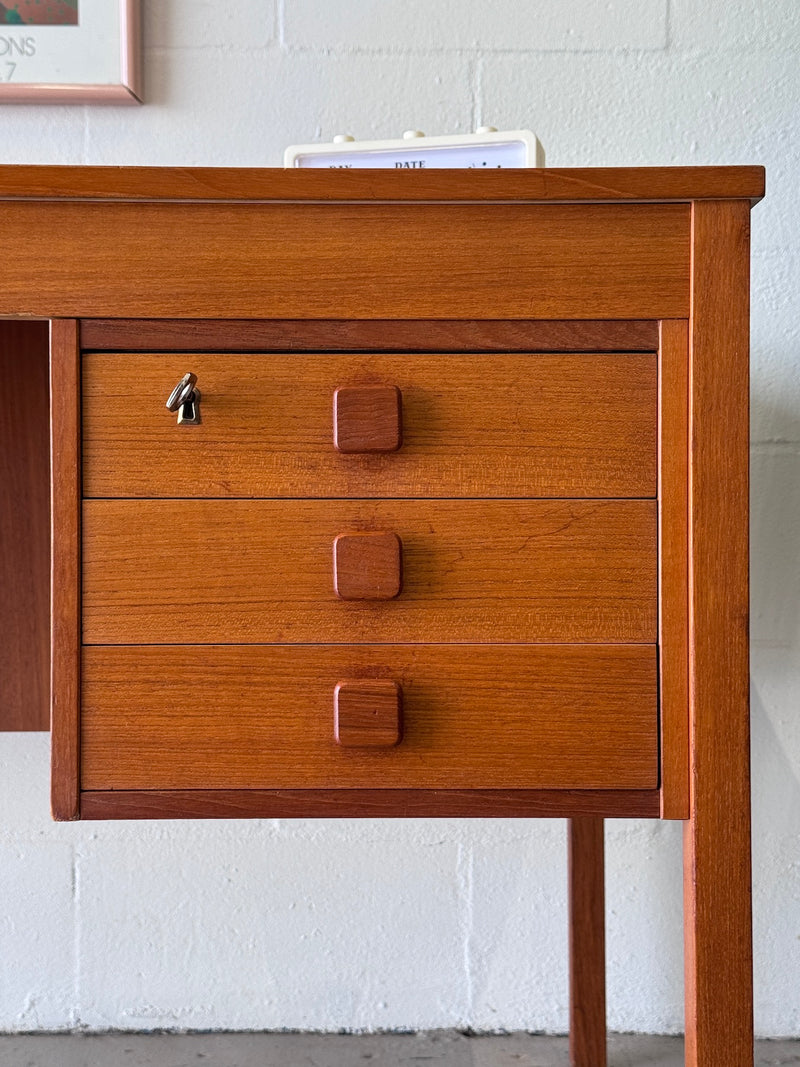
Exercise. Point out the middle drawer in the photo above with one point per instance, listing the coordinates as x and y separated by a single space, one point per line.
252 571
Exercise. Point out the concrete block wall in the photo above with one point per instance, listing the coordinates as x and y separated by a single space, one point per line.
366 925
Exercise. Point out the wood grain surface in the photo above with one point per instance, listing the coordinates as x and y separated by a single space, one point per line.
207 571
575 425
368 803
717 863
275 183
673 539
364 261
388 335
24 526
587 943
65 590
474 716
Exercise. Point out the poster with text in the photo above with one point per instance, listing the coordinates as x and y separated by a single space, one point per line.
59 51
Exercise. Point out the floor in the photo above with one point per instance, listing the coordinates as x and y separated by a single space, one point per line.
443 1048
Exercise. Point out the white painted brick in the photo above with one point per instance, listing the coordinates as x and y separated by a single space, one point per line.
37 973
216 108
644 950
775 344
776 831
208 24
776 758
36 134
518 939
272 935
775 554
741 25
570 25
24 783
633 109
776 933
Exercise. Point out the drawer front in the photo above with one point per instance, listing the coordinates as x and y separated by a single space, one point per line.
566 425
251 717
239 571
389 260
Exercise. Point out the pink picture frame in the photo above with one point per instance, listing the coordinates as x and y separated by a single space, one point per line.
127 89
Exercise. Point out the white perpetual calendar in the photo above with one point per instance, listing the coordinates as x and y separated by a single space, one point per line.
487 148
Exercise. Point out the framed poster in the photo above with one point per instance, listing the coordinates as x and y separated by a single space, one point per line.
69 51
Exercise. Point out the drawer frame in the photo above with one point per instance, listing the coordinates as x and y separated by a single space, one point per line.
70 338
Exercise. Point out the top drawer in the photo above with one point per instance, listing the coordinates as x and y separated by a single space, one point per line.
570 425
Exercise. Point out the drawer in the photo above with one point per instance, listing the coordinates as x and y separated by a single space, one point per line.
238 571
241 717
548 425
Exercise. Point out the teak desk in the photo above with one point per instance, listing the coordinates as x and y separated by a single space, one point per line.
462 529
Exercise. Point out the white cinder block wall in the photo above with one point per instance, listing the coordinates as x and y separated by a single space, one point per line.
366 925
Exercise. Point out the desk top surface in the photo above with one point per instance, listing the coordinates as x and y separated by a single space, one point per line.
602 184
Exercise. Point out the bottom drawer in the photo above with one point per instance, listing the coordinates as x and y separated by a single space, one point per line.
474 716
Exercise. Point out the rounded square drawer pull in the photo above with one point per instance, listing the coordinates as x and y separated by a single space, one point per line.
367 418
367 713
367 565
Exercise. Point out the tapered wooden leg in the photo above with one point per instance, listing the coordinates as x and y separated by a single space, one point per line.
587 944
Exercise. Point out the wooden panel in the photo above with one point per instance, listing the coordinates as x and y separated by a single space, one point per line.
575 425
364 261
474 716
65 481
368 803
427 335
274 183
587 944
717 906
673 568
206 571
24 527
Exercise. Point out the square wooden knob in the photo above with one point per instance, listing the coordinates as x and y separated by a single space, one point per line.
367 418
367 713
367 566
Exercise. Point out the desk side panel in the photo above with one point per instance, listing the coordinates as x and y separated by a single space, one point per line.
24 527
65 429
673 538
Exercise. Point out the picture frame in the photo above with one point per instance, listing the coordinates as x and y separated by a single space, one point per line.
70 52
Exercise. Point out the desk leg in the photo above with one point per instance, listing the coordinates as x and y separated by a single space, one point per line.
717 923
718 961
587 947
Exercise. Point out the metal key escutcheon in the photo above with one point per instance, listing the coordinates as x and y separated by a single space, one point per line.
185 399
